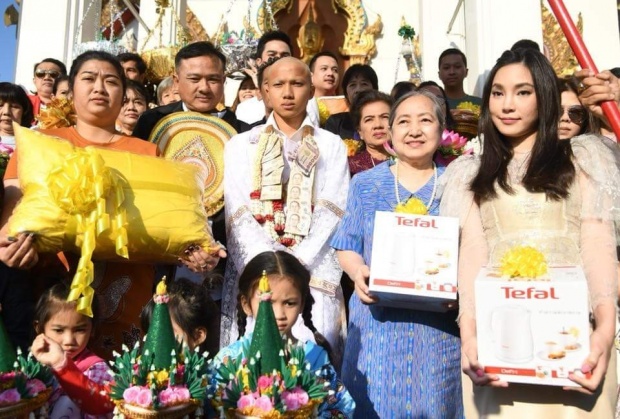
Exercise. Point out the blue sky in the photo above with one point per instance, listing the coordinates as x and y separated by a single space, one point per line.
7 45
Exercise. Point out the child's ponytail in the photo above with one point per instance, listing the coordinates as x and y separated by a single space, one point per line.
318 337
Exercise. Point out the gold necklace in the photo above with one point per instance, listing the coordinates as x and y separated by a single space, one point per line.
430 202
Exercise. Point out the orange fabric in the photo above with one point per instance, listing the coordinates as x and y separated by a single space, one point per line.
122 289
124 143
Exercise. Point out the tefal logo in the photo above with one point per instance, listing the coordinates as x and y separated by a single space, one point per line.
529 293
416 222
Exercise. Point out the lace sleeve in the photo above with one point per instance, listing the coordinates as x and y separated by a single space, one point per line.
597 162
456 198
458 201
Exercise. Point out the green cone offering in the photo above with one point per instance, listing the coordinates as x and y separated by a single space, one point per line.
7 353
266 338
160 339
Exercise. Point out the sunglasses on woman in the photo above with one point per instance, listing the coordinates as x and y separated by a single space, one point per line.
40 74
576 113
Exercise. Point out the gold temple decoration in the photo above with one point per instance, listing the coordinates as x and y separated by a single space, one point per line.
197 32
160 60
264 22
359 38
310 39
557 48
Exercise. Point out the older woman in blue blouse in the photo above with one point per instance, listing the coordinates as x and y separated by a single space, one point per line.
398 363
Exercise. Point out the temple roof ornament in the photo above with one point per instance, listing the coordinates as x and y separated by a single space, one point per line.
556 47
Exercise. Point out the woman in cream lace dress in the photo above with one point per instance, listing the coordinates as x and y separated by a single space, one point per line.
560 197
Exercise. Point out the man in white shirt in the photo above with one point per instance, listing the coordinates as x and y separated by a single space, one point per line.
312 203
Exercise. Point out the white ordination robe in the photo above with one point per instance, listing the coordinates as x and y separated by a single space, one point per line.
246 237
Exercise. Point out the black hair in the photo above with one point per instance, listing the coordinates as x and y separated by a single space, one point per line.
364 98
130 56
319 55
526 43
13 93
261 69
199 49
452 51
615 71
272 36
400 89
191 308
245 80
450 123
53 300
96 56
590 124
550 169
57 82
362 70
286 265
60 64
139 88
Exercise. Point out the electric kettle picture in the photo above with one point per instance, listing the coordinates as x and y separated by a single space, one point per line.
512 334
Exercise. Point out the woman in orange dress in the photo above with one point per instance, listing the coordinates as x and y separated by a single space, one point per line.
98 83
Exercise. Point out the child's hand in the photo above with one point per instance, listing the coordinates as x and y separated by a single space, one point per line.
48 352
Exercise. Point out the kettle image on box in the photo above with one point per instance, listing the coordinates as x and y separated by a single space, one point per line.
512 334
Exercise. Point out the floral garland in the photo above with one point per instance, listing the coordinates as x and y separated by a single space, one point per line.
269 213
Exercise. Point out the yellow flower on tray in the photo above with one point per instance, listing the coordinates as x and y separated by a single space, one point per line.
412 206
523 263
470 106
59 113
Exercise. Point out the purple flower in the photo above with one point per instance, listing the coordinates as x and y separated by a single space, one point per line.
35 386
10 396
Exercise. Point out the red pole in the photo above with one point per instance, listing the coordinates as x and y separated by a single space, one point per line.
610 109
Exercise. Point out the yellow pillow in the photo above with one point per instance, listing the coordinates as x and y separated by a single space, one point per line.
121 204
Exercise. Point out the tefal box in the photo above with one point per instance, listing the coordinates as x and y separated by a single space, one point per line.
534 332
414 261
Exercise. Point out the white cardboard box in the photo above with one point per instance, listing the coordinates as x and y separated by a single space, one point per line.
414 260
534 332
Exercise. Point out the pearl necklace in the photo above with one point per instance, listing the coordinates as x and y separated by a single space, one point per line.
430 202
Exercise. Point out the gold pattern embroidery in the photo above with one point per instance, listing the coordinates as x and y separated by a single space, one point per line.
331 206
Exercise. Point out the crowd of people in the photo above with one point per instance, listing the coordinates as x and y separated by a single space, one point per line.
303 180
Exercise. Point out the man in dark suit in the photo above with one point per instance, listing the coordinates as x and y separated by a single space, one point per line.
199 78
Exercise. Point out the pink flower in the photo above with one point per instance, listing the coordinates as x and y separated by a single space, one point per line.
182 393
246 400
264 404
35 386
452 139
295 398
6 149
302 396
167 397
145 398
265 382
131 394
10 396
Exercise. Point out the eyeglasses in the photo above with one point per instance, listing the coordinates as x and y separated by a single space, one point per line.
40 74
576 113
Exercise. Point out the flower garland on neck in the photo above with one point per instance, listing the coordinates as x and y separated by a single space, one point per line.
269 213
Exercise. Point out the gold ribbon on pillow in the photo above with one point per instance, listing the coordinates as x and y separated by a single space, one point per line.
84 188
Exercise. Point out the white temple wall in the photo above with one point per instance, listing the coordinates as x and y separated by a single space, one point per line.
482 29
